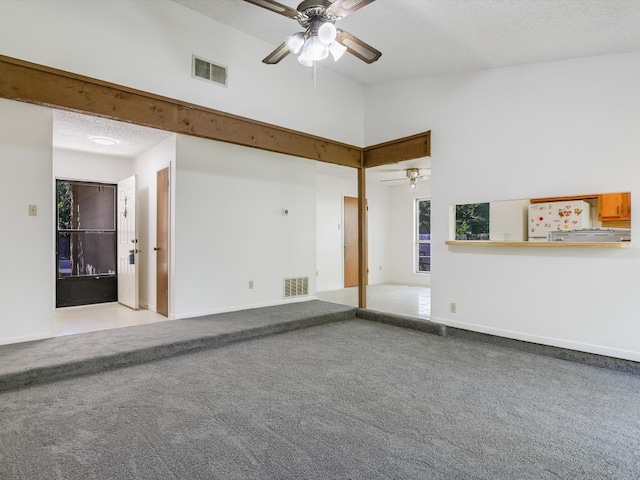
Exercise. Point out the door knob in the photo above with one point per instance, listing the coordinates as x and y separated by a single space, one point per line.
156 248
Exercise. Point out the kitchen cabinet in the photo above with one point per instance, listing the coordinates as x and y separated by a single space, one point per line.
614 206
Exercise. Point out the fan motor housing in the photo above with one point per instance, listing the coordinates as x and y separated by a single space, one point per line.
311 10
308 4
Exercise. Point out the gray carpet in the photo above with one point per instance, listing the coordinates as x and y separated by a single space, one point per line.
348 400
30 363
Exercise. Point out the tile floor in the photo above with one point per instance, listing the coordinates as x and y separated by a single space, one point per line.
103 316
405 300
398 299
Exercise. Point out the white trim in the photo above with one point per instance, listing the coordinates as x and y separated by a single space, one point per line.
332 287
242 307
26 338
550 341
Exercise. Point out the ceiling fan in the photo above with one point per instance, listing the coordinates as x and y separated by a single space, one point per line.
413 174
320 37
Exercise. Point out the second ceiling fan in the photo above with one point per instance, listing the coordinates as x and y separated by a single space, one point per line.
321 38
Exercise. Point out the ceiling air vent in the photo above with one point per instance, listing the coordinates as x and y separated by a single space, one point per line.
296 287
205 70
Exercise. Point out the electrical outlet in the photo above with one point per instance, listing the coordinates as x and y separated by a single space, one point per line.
250 284
453 307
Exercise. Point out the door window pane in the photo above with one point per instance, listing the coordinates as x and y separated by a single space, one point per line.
86 206
86 253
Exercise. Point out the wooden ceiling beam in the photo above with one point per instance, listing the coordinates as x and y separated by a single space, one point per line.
40 85
407 148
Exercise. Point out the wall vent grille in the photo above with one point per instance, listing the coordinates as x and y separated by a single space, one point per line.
206 70
296 287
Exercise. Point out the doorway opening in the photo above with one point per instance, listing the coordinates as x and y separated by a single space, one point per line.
137 153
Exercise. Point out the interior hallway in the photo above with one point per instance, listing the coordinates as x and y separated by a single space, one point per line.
399 299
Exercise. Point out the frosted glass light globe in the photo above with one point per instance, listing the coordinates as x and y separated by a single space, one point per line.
327 33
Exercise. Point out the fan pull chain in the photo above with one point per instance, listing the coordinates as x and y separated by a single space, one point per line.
314 72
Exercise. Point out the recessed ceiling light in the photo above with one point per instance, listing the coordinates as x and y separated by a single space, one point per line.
103 140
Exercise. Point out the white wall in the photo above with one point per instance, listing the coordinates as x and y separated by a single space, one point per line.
330 193
378 226
146 167
91 167
230 228
26 243
401 233
148 45
541 130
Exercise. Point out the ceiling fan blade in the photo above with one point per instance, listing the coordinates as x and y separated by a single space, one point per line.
275 7
277 55
357 47
342 8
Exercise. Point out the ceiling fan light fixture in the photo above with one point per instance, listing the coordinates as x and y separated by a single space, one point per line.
337 51
318 18
295 42
413 174
314 49
327 33
305 60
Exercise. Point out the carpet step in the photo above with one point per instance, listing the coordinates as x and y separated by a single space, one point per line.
60 358
402 321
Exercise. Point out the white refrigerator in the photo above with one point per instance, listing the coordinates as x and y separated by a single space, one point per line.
563 216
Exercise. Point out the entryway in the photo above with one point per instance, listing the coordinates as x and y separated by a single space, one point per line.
116 232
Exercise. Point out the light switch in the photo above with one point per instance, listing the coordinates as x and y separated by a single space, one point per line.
33 210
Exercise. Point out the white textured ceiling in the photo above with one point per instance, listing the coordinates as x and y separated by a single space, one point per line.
432 37
73 131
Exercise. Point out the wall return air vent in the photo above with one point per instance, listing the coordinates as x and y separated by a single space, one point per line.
206 70
296 287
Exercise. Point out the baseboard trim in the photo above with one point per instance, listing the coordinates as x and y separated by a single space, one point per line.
26 338
330 288
570 351
216 311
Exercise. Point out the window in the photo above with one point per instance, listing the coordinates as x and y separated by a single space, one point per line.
472 221
86 233
423 235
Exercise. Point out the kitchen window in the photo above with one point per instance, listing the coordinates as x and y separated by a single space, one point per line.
472 221
423 235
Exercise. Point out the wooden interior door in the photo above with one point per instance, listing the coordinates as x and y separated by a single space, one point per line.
350 232
162 242
127 243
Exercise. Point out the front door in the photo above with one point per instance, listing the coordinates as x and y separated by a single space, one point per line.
127 243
